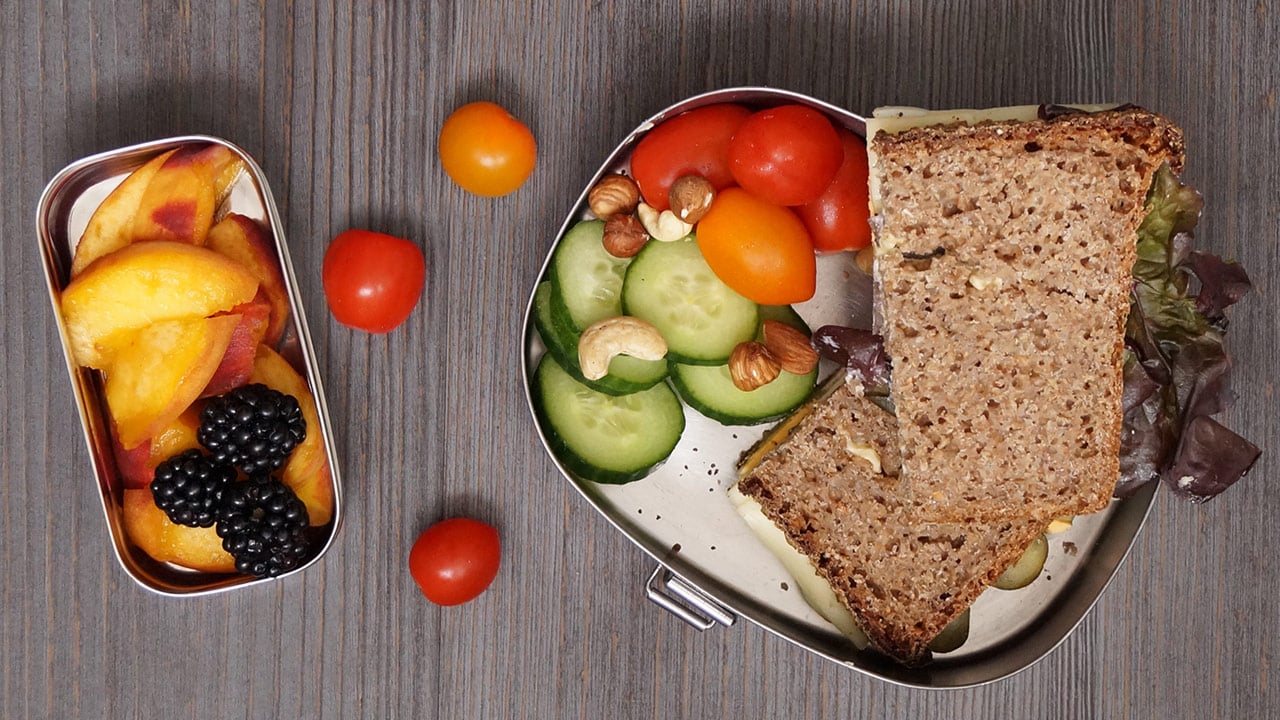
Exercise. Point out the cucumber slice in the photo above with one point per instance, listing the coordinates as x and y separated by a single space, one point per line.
701 318
587 279
626 374
605 438
786 315
953 635
1027 568
710 390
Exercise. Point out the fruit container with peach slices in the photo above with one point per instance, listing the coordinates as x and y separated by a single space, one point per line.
191 364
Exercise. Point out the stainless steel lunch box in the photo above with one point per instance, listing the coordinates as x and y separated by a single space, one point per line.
712 569
64 210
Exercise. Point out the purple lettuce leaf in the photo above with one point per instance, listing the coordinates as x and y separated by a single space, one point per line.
861 352
1177 371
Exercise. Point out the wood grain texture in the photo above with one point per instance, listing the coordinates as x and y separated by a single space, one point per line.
340 102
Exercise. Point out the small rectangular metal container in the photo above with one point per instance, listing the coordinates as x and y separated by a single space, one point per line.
712 569
65 206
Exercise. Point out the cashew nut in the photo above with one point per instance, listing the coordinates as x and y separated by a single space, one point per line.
664 226
623 335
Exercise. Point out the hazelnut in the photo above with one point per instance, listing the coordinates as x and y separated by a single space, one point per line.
624 236
790 347
691 197
615 194
752 365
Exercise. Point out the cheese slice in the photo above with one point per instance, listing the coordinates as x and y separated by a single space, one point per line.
815 589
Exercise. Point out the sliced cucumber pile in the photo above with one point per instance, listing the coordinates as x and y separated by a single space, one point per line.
617 428
606 438
702 319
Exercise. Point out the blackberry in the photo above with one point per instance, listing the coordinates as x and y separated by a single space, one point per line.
188 488
263 525
253 428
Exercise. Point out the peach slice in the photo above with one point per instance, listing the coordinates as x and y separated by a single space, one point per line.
307 471
144 283
162 371
244 240
237 363
111 225
177 436
181 198
134 463
138 465
150 529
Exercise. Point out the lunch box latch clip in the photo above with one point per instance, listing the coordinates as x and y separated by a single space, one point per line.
675 595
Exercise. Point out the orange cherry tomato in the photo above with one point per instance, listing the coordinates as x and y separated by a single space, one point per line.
759 249
486 150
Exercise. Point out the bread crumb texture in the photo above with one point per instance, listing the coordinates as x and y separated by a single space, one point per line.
1004 261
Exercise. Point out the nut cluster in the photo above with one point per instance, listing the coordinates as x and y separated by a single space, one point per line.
629 222
781 347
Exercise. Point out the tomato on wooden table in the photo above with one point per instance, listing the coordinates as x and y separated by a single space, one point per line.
455 560
840 218
786 155
372 281
486 150
759 249
695 142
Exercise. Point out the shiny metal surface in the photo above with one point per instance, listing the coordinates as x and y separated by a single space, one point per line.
64 209
680 516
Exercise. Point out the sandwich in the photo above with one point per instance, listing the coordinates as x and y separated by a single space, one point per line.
1021 387
835 489
1004 260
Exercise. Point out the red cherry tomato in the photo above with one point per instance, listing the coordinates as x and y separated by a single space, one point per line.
454 560
839 219
692 143
372 281
785 155
759 249
486 150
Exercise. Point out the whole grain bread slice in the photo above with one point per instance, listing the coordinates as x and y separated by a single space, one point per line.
1004 258
903 580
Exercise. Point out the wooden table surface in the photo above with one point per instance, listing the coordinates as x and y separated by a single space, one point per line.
341 103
